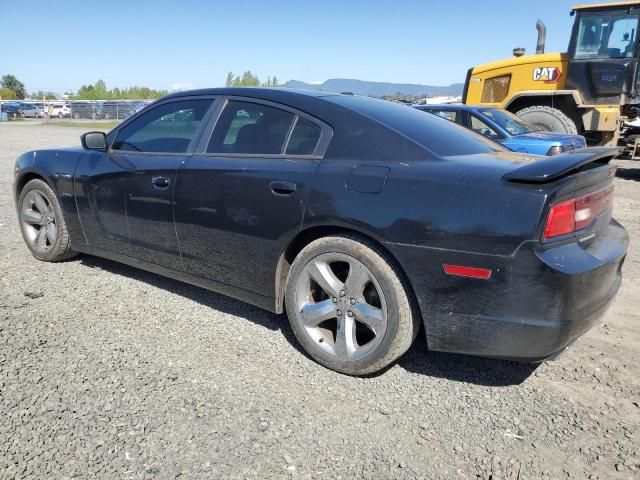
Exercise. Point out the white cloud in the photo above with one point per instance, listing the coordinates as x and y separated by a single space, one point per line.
176 87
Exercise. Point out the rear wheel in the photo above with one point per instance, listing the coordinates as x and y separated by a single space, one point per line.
42 224
548 119
348 306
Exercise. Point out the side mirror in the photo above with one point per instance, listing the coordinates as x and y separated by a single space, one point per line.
94 141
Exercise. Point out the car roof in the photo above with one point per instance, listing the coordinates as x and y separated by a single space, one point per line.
451 106
257 92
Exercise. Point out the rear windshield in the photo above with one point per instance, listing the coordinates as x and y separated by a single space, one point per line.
438 135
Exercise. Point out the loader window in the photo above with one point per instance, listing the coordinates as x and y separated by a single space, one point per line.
607 36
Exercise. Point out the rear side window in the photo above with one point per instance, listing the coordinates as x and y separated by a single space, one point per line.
304 138
250 128
437 135
169 128
448 114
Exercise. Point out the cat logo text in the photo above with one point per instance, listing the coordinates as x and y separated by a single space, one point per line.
546 74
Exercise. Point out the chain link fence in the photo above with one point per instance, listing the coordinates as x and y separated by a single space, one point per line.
94 109
72 110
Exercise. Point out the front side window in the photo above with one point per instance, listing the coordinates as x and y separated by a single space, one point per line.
607 36
250 128
482 128
169 128
510 122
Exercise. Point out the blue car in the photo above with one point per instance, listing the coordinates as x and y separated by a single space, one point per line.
508 129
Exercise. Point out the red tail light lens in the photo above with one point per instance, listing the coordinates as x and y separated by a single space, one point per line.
578 213
561 219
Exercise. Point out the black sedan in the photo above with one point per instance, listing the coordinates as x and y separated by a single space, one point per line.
362 219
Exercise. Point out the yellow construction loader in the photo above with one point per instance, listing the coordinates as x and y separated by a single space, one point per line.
592 89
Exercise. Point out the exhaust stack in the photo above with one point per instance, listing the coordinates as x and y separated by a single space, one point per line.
542 36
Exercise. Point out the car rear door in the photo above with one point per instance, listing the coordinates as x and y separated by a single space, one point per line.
125 196
243 194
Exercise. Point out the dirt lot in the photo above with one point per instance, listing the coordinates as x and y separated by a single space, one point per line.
110 372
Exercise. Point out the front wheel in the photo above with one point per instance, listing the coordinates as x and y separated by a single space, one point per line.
42 224
348 306
548 119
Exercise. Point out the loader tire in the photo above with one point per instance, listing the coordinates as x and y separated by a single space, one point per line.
548 119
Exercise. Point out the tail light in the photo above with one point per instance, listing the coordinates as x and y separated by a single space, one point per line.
578 213
559 149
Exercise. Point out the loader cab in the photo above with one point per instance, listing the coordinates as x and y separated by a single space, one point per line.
603 53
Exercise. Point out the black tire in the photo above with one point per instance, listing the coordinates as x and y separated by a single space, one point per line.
61 247
403 322
549 119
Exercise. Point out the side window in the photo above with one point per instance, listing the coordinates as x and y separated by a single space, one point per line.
304 138
169 128
621 37
482 128
448 114
250 128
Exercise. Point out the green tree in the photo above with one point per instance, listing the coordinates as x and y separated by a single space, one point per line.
40 94
99 91
7 94
230 82
12 83
248 79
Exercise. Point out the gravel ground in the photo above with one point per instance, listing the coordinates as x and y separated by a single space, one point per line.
111 372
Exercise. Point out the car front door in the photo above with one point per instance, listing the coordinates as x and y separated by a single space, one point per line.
243 195
125 195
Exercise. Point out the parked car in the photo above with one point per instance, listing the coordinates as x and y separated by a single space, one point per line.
11 108
28 110
92 110
508 129
59 110
362 217
119 110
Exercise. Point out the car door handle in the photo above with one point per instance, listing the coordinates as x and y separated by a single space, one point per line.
282 187
160 182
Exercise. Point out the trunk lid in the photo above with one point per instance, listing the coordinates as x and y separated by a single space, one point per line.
549 169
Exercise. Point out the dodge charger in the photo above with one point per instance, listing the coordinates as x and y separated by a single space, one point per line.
363 220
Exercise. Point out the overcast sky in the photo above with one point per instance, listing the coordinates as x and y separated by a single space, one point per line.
60 45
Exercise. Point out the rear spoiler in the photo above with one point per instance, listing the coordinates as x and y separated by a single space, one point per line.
558 166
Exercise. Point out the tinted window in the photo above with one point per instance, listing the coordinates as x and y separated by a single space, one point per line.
441 137
482 128
304 138
448 114
510 122
169 128
252 128
607 36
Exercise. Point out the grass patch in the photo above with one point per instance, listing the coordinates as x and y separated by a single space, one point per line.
86 125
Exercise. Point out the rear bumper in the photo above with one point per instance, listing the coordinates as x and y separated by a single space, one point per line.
537 302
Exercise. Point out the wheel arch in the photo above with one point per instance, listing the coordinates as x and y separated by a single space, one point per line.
25 178
311 233
566 101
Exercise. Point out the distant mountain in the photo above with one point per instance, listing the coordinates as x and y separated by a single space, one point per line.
378 89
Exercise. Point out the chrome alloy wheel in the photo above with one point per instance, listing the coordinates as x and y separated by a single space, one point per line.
341 306
39 221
